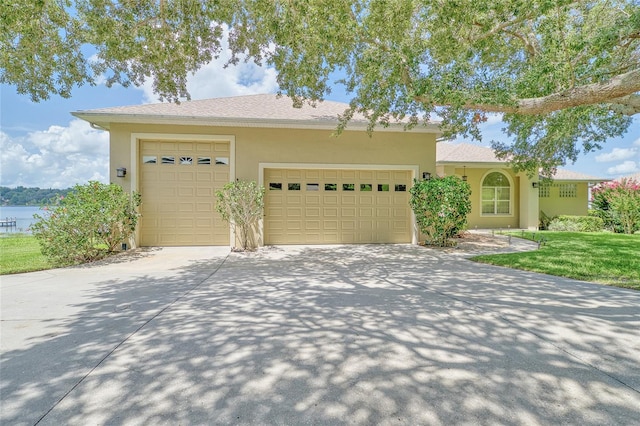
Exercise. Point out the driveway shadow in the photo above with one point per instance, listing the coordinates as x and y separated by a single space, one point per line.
372 334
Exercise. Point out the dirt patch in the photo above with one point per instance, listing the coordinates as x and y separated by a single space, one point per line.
473 242
120 257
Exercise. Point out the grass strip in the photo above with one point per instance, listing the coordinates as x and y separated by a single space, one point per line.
21 253
600 257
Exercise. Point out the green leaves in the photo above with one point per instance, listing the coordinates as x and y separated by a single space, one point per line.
541 143
398 59
91 222
618 204
441 206
40 49
241 203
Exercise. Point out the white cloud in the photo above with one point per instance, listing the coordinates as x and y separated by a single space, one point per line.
637 142
617 154
213 80
493 118
624 168
58 157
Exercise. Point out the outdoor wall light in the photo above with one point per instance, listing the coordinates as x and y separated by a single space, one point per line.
121 172
534 184
426 175
464 174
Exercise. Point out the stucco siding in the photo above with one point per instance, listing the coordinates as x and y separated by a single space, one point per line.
554 205
120 156
253 148
476 219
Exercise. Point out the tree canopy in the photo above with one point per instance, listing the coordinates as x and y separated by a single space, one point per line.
22 196
565 75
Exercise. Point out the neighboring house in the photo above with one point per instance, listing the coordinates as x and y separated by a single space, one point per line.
501 198
635 177
320 189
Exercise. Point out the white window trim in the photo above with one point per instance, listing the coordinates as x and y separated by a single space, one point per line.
511 194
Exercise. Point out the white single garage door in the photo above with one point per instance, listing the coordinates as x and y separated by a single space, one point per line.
178 181
326 206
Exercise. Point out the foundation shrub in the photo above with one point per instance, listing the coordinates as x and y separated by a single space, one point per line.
441 206
576 224
90 223
544 221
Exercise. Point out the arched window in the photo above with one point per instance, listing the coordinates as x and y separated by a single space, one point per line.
496 194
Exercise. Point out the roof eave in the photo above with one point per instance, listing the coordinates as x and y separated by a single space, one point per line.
594 180
470 164
496 164
105 121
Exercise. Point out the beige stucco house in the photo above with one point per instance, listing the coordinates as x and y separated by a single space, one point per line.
320 189
501 198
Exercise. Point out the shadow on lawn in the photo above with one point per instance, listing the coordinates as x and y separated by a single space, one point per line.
345 334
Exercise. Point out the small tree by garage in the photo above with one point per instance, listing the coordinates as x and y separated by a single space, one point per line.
441 206
241 203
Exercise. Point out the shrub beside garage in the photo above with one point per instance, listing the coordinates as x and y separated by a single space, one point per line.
90 223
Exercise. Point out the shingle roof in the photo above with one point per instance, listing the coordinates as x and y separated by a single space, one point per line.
465 152
253 111
245 107
635 176
564 174
447 152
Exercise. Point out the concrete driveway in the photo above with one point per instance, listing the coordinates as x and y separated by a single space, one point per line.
372 334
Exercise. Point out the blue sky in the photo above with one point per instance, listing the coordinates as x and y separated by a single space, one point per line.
44 145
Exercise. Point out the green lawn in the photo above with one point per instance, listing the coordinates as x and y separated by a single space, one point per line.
599 257
20 253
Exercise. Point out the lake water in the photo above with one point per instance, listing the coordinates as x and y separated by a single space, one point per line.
22 214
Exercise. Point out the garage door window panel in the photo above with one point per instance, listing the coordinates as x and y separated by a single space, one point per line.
348 187
365 187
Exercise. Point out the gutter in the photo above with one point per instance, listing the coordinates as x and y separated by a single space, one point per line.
104 120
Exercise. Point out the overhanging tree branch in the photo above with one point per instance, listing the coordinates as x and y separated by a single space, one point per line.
620 91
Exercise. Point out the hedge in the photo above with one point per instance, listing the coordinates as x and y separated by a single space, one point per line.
577 224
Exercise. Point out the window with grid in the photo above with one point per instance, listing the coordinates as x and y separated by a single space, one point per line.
496 194
544 190
567 190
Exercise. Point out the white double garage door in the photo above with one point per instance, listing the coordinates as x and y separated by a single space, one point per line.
178 181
